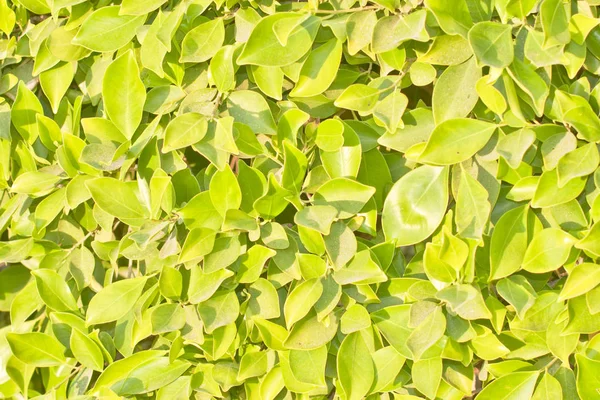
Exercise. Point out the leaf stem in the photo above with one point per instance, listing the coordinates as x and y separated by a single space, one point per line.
82 240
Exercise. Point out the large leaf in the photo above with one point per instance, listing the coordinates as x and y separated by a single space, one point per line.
106 30
36 349
456 140
415 206
492 44
279 40
117 198
355 366
455 94
515 385
114 301
124 94
509 243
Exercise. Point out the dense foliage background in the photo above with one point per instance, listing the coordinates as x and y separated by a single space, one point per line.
389 199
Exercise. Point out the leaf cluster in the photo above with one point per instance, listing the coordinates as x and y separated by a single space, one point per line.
257 199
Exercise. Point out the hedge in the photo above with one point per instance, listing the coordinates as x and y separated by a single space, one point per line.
382 199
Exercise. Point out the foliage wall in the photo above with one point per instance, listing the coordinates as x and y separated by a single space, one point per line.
385 199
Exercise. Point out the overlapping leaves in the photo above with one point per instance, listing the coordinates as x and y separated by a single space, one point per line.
292 200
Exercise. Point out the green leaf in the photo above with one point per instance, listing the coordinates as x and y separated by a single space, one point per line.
389 111
250 108
203 42
454 18
359 30
492 44
23 113
427 333
456 140
117 198
392 322
319 70
582 278
347 196
106 30
465 300
294 167
561 345
114 301
184 130
36 349
424 189
518 292
167 318
264 301
54 291
318 217
142 374
513 385
170 282
56 81
472 207
514 146
580 162
86 351
309 333
225 192
268 79
455 93
393 30
221 309
300 301
124 94
265 48
361 270
555 21
427 375
255 364
548 250
587 376
35 183
545 196
548 388
355 318
355 367
139 7
358 97
509 243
